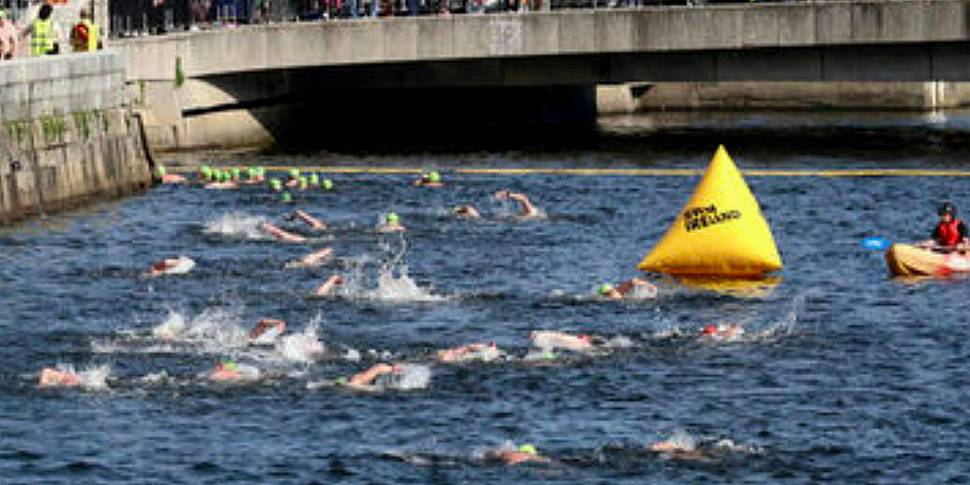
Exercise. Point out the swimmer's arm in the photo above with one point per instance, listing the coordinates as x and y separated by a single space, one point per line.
309 220
367 377
628 286
328 285
527 208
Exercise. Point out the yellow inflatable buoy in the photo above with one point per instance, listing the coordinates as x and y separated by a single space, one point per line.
720 232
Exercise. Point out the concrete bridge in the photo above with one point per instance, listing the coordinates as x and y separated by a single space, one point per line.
538 67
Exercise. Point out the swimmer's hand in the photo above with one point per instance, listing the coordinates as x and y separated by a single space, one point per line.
503 194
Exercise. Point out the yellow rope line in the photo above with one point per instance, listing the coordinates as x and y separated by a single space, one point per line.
651 172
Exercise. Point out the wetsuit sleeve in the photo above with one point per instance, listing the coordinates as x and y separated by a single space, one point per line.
935 235
962 229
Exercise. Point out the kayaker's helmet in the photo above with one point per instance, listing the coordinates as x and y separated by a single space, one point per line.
947 208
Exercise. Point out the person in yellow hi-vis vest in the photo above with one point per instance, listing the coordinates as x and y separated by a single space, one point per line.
85 35
43 33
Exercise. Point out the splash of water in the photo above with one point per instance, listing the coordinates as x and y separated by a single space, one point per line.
237 224
412 376
302 347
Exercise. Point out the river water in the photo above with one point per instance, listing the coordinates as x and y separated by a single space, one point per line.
843 375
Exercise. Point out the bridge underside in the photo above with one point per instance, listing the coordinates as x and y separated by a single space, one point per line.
514 94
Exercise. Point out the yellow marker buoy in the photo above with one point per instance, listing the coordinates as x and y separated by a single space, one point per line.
719 232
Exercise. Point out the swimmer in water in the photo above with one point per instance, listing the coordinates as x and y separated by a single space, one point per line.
312 260
525 205
168 178
327 287
551 340
368 380
466 212
51 377
514 456
266 331
429 179
392 223
279 234
179 265
723 331
227 370
222 181
683 446
294 180
635 287
470 352
313 222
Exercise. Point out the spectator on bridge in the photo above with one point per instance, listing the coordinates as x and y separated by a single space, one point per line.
85 35
43 33
8 37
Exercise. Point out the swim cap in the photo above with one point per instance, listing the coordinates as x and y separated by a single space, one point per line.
314 179
327 184
161 170
229 365
286 197
434 177
235 173
226 176
392 218
303 183
709 330
604 289
276 184
548 355
947 208
294 173
529 449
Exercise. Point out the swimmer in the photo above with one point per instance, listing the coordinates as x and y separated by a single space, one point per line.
523 454
466 212
392 223
723 331
168 178
429 179
326 184
327 286
168 266
311 260
228 370
635 287
51 377
294 180
279 234
368 380
313 222
470 352
551 339
266 331
527 209
222 182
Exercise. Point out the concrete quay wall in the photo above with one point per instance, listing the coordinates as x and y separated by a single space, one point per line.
66 136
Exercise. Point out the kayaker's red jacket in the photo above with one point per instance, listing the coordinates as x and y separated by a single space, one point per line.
950 233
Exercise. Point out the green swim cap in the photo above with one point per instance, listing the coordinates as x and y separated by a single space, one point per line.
340 381
434 177
236 172
548 355
604 289
229 365
314 179
286 197
161 170
303 183
392 218
275 184
528 448
327 184
226 176
294 173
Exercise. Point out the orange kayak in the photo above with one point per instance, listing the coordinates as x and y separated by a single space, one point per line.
910 260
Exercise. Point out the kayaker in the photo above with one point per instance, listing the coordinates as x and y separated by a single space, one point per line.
950 232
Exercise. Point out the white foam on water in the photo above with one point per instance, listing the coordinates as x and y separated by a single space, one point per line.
682 440
237 224
401 288
303 347
92 378
170 328
413 376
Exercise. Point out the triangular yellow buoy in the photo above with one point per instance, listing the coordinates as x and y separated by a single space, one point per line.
720 232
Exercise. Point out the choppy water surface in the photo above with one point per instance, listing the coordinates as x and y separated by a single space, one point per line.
844 375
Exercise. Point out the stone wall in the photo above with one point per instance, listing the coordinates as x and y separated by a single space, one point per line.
66 136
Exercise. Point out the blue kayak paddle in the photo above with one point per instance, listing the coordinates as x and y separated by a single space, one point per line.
876 243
